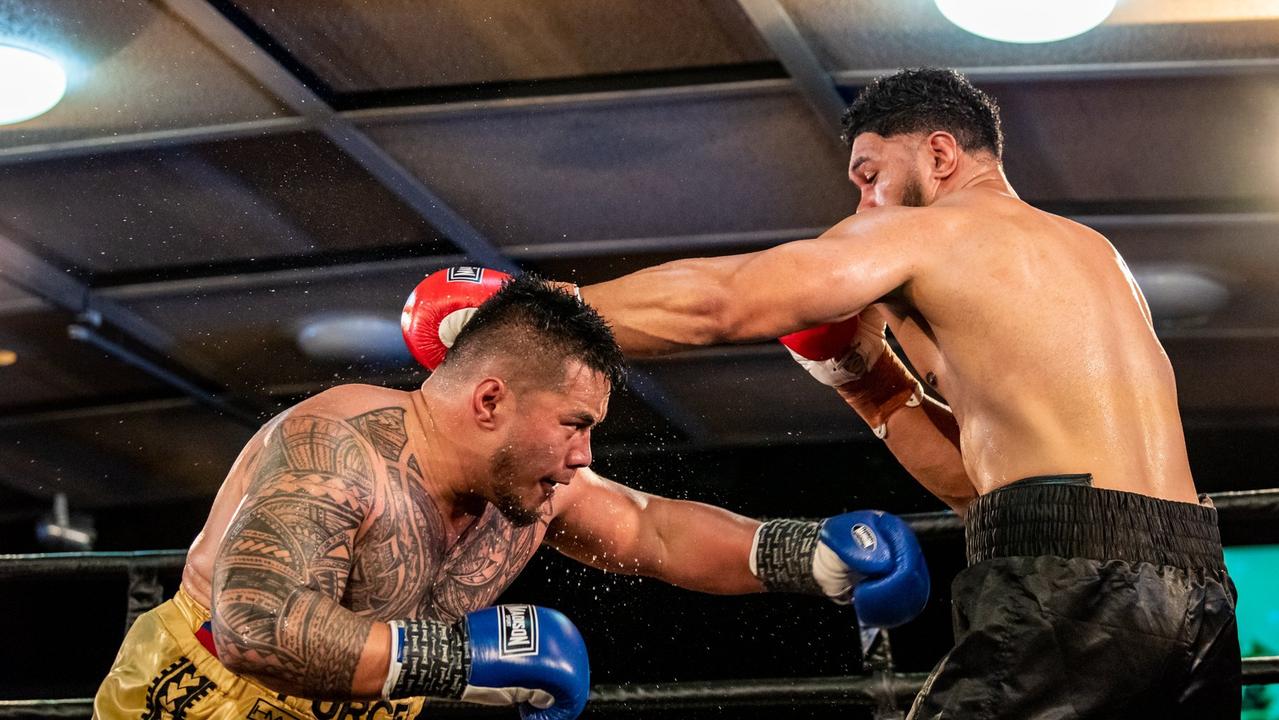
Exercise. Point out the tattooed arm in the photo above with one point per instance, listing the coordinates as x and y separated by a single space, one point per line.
283 566
612 527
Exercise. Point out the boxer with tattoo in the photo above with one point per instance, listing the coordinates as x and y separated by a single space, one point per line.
350 561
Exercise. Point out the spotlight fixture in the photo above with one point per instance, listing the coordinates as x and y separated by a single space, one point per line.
353 337
1026 21
1180 295
30 84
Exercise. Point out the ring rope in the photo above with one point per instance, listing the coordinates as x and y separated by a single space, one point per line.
848 690
929 525
845 690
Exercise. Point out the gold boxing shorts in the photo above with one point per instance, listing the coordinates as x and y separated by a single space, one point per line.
163 671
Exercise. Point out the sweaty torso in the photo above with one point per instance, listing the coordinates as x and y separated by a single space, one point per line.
1033 330
409 561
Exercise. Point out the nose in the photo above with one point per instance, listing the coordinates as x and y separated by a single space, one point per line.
579 453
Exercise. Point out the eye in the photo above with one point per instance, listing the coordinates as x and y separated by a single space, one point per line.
870 179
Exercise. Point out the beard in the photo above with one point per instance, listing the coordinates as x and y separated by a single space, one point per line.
506 471
913 193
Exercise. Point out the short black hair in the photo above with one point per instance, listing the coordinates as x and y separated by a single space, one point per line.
926 100
540 326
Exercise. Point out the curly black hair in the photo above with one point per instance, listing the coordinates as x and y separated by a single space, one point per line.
925 100
539 326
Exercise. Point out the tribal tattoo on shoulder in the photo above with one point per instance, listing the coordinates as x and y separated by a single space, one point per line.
298 582
283 565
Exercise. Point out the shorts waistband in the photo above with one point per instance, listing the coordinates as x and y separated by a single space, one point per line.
194 615
1077 520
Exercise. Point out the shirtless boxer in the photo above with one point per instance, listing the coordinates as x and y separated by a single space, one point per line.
351 554
1096 585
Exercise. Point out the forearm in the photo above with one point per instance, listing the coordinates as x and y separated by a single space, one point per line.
925 440
703 548
664 309
618 529
304 644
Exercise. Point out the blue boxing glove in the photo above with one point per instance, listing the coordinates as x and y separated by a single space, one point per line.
869 557
521 655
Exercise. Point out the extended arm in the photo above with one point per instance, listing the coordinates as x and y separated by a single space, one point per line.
766 294
870 555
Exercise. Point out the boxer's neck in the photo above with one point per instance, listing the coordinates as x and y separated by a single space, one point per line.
448 464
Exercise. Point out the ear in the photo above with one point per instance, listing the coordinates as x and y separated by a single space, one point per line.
943 150
490 395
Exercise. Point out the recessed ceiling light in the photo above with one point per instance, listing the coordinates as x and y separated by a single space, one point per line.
1178 294
355 338
1026 21
30 84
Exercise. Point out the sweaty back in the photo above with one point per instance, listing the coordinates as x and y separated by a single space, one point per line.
1035 332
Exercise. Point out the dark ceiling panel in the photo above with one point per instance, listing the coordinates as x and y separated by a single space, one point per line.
131 68
254 329
875 35
755 396
671 163
355 46
1192 141
245 203
53 369
129 458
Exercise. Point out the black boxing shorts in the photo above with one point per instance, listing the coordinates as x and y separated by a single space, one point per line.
1086 603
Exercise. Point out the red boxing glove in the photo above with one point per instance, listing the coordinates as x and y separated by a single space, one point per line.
838 353
824 342
441 305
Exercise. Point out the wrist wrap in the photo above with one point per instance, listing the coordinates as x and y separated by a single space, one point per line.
428 659
885 388
783 556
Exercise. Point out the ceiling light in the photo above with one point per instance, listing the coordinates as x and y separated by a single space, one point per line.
1180 294
7 357
353 338
1026 21
30 84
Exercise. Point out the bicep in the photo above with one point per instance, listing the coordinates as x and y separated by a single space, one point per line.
603 525
804 283
305 502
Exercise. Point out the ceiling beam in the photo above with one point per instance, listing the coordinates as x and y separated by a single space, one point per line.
176 366
418 111
236 46
781 35
388 115
1090 71
241 50
181 137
